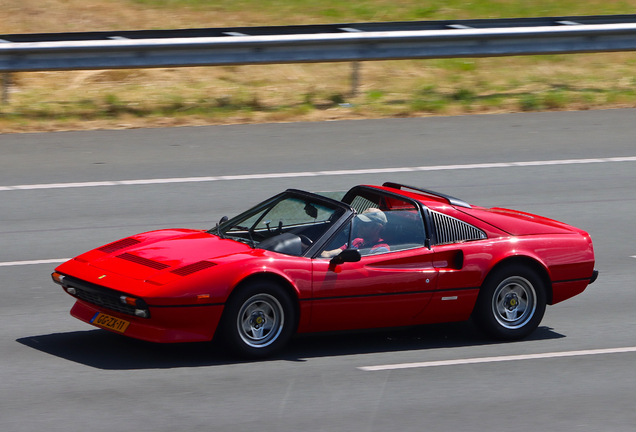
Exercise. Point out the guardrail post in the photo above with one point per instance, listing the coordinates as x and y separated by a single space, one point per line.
355 77
6 82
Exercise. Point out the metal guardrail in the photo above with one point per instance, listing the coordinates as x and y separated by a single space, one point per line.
321 28
316 43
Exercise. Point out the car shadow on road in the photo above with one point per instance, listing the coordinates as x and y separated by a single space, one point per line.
104 350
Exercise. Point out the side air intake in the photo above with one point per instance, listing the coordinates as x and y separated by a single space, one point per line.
451 230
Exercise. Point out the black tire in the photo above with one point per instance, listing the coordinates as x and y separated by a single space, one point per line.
259 319
511 303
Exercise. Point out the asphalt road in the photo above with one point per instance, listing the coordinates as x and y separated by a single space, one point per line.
58 374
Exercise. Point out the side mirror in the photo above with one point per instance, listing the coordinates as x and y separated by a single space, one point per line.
347 255
218 227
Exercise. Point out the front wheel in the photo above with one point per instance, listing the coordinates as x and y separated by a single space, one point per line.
511 303
258 320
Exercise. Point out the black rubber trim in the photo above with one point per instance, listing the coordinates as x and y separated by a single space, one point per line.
594 276
186 305
392 294
579 279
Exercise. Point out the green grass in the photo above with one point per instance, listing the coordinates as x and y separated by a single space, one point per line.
231 94
385 10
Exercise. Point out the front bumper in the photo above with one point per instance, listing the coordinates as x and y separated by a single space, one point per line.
594 276
166 325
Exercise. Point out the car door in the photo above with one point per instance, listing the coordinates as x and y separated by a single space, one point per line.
378 291
382 289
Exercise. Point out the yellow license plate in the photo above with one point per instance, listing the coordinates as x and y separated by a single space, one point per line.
110 322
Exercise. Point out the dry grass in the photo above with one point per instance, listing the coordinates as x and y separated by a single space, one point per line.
298 92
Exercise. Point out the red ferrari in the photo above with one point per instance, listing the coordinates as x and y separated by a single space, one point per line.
383 256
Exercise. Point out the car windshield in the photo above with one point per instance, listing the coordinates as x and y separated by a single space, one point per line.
289 223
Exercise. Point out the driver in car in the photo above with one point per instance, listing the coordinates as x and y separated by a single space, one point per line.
369 224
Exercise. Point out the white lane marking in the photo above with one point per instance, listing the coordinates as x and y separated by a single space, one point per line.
497 359
316 173
20 263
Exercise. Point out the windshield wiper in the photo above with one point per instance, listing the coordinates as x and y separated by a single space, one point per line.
249 233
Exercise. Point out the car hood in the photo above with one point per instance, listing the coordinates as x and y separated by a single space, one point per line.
519 223
168 252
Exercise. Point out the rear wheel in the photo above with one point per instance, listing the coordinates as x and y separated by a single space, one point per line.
511 303
258 320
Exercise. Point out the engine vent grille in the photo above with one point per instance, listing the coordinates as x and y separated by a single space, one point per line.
193 268
120 244
451 230
143 261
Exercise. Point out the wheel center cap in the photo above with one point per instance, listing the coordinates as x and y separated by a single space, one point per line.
511 301
257 320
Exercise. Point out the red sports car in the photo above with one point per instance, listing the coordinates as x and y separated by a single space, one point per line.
390 255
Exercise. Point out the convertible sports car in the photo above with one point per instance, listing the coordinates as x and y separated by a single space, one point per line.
390 255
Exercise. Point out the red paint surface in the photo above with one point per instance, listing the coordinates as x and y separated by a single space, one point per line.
400 288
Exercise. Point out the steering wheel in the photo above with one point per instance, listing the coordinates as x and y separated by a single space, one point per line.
306 240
